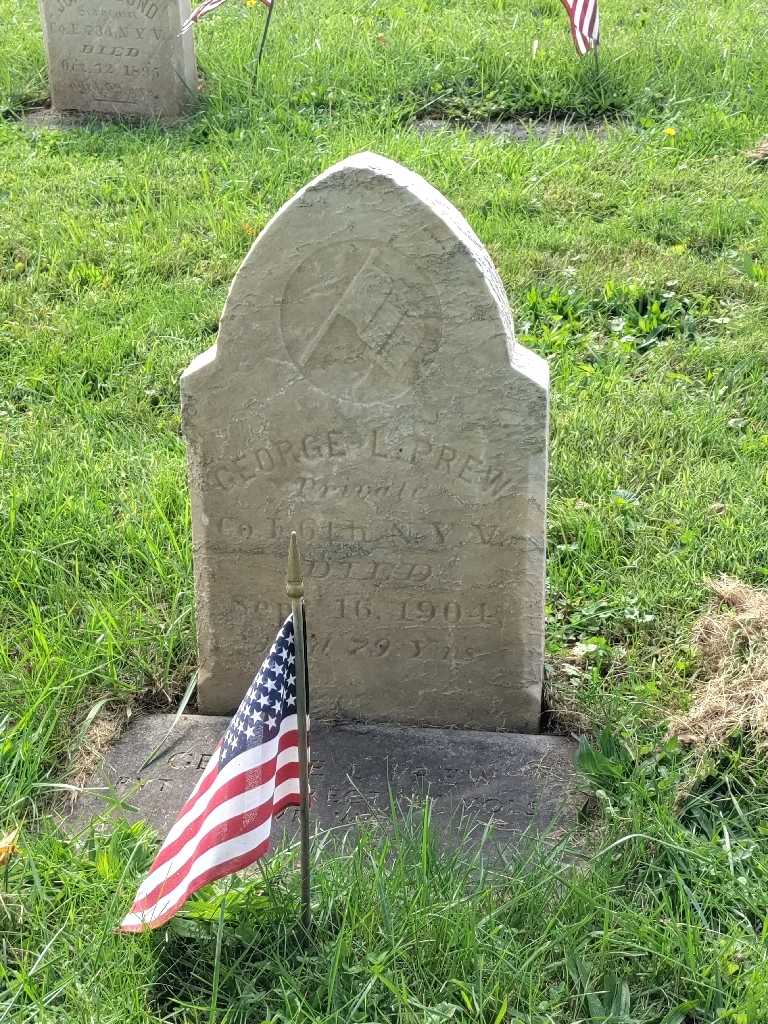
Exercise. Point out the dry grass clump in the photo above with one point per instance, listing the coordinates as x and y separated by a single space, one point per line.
760 153
102 733
731 694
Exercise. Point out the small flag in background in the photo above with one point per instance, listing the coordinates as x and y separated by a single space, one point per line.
226 823
205 8
200 12
585 23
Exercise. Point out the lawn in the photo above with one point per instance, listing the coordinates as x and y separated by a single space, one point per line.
635 253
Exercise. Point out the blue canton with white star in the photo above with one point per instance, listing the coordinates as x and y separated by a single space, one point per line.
271 697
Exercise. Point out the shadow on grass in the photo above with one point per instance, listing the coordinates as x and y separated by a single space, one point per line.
395 914
403 932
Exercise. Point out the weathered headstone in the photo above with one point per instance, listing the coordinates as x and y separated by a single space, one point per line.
367 391
119 57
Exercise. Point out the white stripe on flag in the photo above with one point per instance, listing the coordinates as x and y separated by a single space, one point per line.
587 21
246 761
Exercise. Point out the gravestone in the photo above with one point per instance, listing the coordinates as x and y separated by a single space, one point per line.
119 57
366 390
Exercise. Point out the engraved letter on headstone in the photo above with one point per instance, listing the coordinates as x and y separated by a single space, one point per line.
119 57
366 390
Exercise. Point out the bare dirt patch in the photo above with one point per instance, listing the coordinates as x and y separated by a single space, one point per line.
102 733
759 154
518 129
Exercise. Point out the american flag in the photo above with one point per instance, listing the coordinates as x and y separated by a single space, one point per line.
205 8
585 23
253 774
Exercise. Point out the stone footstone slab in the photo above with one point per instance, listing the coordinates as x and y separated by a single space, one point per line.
517 782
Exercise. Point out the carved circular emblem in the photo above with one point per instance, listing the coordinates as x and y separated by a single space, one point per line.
360 321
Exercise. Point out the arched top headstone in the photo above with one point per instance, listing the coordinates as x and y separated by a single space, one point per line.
366 390
374 247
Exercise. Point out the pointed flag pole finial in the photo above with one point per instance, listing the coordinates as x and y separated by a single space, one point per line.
294 581
294 588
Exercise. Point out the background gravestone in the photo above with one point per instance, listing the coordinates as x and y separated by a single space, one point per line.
119 57
367 391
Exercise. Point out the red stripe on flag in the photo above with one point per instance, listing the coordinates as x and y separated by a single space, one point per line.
226 867
236 786
232 827
207 779
585 23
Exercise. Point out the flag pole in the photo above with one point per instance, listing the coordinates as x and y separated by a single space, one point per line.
270 9
294 588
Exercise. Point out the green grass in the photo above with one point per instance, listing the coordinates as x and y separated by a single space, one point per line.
637 263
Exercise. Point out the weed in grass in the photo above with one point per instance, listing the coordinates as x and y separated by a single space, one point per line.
641 316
